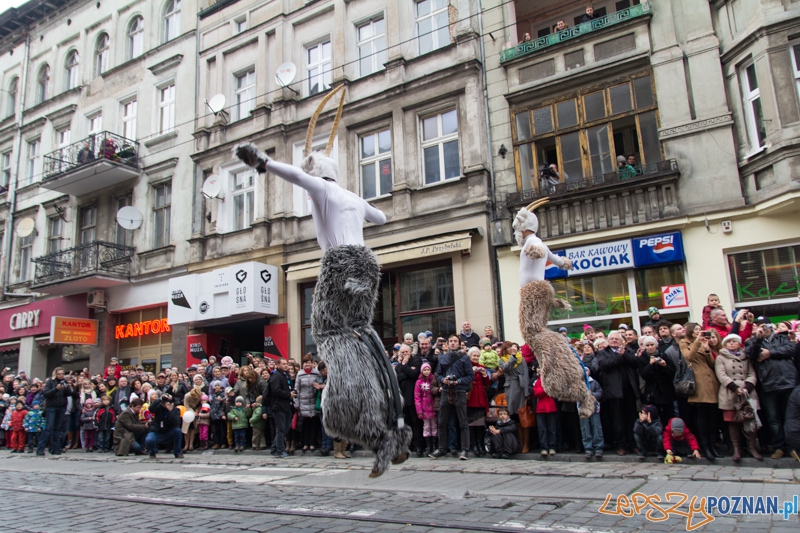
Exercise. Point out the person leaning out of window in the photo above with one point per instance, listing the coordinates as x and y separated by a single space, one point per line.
624 170
589 15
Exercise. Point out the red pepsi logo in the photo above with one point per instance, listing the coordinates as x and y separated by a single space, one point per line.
663 247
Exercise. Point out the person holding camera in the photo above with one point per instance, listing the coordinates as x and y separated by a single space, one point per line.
281 396
455 375
548 176
700 349
165 426
658 372
57 392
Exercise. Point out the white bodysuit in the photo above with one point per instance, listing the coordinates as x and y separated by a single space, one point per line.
533 269
338 213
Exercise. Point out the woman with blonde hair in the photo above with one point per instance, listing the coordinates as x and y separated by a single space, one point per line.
176 387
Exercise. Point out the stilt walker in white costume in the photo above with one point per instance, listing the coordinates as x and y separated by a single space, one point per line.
560 368
361 401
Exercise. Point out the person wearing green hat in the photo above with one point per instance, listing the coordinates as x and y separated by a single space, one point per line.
489 357
655 316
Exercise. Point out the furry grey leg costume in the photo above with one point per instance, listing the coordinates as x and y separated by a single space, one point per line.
355 403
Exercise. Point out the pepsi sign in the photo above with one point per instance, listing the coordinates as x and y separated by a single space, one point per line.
658 249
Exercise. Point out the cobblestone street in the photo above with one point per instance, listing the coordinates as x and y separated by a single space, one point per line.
256 492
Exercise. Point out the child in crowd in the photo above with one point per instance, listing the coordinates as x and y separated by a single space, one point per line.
4 410
712 302
591 429
204 422
426 403
647 432
230 402
105 418
5 425
238 417
489 357
34 424
259 425
218 412
89 424
503 435
17 429
678 440
546 417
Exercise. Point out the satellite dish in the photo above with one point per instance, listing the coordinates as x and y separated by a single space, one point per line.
212 187
217 103
129 217
285 74
26 226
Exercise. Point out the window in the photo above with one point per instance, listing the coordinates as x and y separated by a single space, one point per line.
582 133
5 172
43 84
245 87
71 67
765 274
796 65
166 105
440 147
62 142
371 46
240 25
11 102
25 256
376 164
136 37
129 120
87 218
433 25
101 54
124 236
242 193
55 234
153 350
756 130
172 19
318 67
34 163
161 215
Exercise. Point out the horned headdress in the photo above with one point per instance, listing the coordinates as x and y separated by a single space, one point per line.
319 163
526 220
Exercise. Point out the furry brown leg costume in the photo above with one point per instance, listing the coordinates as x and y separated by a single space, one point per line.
560 371
355 403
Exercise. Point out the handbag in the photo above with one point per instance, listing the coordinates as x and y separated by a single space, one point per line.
743 410
684 379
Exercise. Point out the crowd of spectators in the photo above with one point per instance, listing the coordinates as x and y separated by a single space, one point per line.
722 387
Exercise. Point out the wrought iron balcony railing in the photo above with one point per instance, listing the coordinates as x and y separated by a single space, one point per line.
101 146
94 258
599 23
612 179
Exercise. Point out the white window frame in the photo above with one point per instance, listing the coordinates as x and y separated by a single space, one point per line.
135 36
43 84
101 54
63 140
749 98
34 165
301 203
377 56
247 192
240 25
87 233
172 20
164 210
794 49
440 140
128 112
55 234
166 107
25 256
71 69
5 170
375 161
434 31
244 96
324 64
11 102
94 123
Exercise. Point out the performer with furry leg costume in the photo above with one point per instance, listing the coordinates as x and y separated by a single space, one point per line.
361 401
560 369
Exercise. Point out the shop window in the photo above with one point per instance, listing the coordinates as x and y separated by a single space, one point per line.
590 296
650 281
153 350
765 275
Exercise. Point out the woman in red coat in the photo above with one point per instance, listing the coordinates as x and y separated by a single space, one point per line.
478 403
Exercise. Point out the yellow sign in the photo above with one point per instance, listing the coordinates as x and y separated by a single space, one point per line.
66 330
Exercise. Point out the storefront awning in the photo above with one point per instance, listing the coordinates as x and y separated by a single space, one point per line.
43 341
407 251
9 346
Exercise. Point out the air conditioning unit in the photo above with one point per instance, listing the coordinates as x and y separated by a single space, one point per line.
95 299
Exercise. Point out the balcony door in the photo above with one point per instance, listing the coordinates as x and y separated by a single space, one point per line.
88 234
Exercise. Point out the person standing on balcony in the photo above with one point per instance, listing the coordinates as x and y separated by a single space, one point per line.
589 15
561 25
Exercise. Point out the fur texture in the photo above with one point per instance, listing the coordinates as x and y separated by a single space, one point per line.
354 404
561 373
320 166
250 154
524 221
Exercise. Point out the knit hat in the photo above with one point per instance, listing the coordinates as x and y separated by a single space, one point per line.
215 383
396 346
653 410
677 425
587 327
228 390
422 336
484 342
204 398
227 360
731 337
653 311
408 337
562 329
35 402
205 407
239 399
623 326
425 365
428 334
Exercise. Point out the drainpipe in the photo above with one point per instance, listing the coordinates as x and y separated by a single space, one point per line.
12 186
493 204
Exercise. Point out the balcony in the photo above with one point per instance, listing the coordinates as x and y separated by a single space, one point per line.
600 23
101 160
605 201
95 265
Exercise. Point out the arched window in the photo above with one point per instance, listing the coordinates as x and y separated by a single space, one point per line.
71 67
101 54
43 84
172 19
136 37
11 106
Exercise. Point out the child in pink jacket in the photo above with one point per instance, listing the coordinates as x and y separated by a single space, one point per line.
426 400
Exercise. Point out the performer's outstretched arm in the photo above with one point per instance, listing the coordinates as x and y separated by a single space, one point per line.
374 215
258 160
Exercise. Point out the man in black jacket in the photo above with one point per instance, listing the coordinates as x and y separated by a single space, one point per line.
428 353
165 426
773 357
617 373
56 393
455 375
468 336
280 396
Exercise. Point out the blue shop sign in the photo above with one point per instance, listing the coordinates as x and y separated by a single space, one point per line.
620 255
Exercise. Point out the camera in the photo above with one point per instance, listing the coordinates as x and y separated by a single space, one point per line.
706 334
546 172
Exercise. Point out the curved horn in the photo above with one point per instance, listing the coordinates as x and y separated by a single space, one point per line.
533 206
335 128
313 122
